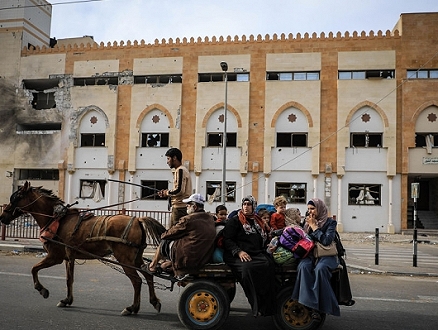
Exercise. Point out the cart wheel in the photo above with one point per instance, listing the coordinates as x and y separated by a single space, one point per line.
203 305
291 315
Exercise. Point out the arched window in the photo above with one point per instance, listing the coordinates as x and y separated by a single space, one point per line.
366 129
291 129
154 130
92 130
215 129
426 129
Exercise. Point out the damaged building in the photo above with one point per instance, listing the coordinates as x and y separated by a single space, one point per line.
351 118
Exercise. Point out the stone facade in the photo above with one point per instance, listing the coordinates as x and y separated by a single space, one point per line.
278 87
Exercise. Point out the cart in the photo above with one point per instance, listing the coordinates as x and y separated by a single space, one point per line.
207 295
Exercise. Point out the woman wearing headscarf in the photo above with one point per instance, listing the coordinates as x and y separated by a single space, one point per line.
245 241
312 288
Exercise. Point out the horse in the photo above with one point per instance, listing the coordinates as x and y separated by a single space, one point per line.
69 234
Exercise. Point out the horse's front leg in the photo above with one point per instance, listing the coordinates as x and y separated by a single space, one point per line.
69 270
47 262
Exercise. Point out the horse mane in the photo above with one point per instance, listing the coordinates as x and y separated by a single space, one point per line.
48 193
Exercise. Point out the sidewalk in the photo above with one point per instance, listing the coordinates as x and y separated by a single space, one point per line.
356 244
389 245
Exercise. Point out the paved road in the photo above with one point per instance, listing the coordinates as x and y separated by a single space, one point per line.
382 302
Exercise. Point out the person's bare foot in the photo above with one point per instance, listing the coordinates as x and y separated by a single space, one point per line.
166 264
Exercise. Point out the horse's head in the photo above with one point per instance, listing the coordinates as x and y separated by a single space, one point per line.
17 200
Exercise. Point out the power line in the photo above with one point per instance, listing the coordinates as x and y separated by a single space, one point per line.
52 4
341 128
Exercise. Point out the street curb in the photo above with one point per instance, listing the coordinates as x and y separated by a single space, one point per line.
366 270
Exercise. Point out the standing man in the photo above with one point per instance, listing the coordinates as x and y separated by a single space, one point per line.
182 185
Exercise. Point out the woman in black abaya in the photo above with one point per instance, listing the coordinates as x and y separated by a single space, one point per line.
245 242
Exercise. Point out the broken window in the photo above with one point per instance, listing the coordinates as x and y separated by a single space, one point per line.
158 140
366 74
92 139
231 76
44 128
215 139
364 194
292 191
289 76
94 189
372 140
38 174
158 79
96 81
288 140
214 192
422 140
150 188
43 91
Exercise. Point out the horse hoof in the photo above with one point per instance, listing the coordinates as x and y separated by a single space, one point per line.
61 304
126 312
44 293
158 307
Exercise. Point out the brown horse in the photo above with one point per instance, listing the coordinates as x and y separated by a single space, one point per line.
75 236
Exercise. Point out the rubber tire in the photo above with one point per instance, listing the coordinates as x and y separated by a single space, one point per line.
213 296
291 315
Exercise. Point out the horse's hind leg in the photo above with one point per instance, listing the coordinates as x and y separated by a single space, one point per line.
47 262
69 270
136 283
153 299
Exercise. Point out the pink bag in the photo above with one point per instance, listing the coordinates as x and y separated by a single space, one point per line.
303 248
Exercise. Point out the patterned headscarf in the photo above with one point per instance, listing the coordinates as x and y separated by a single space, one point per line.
321 212
250 199
259 225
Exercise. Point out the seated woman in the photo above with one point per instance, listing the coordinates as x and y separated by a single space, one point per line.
245 241
312 287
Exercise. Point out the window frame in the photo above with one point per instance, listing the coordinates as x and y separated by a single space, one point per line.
231 139
102 184
366 74
96 138
151 194
163 142
422 74
352 195
420 139
48 174
373 139
293 75
295 137
285 189
211 186
220 76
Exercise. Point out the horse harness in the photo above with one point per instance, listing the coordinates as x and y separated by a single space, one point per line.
101 224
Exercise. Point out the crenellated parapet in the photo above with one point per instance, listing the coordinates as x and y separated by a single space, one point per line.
216 41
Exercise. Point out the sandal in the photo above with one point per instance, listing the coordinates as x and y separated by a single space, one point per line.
348 303
316 315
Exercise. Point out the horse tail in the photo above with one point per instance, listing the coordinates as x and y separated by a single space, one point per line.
153 229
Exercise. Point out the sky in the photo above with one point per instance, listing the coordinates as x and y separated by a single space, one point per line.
117 20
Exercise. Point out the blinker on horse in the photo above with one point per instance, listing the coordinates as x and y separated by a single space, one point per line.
77 237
